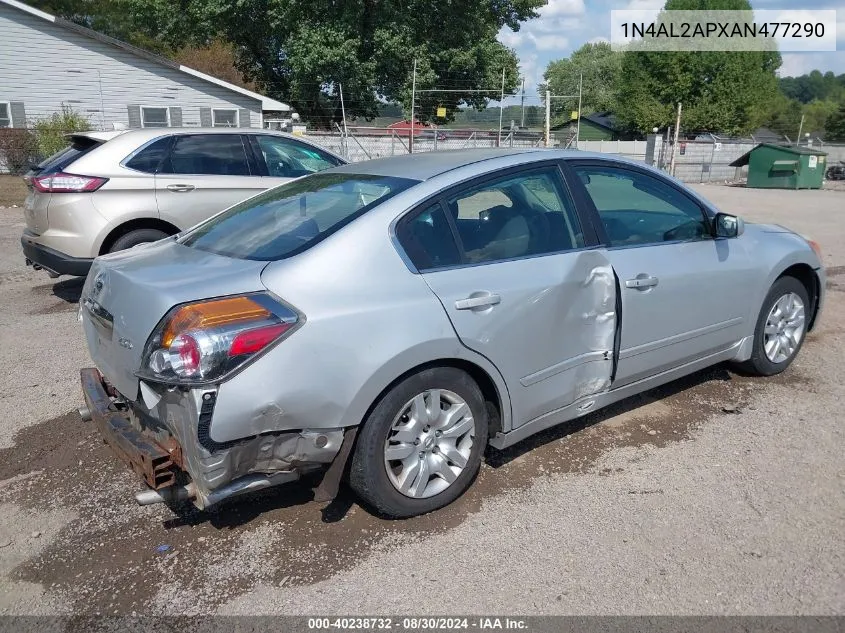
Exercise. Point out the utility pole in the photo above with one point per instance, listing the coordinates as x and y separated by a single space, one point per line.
578 123
413 98
343 114
548 118
522 125
800 129
501 109
675 143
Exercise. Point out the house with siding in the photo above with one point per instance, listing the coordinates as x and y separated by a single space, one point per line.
47 62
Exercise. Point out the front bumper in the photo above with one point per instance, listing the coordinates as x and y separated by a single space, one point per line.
53 261
177 458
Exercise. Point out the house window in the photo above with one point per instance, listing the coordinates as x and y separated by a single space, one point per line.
224 118
5 115
155 117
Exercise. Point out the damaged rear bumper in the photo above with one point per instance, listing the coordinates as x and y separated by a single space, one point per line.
169 446
156 464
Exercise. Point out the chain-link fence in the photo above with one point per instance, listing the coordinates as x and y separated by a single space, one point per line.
365 143
702 160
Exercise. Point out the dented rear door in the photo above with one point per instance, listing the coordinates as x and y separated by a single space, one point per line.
548 324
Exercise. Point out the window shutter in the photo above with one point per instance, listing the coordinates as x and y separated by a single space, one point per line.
205 117
134 112
18 114
175 116
244 118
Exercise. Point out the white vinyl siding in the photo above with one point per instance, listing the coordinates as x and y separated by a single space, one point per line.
224 117
155 117
5 114
97 79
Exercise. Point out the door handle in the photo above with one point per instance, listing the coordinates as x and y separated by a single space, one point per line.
479 301
642 282
180 188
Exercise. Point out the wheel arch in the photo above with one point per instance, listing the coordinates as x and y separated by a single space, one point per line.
497 403
808 277
133 225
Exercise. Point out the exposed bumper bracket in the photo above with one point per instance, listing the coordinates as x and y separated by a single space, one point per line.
152 461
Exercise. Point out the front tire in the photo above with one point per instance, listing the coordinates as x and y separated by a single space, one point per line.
421 446
781 328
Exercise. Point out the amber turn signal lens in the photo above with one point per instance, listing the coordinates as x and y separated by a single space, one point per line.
816 248
211 314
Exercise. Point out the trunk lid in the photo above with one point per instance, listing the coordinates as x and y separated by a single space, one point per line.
127 293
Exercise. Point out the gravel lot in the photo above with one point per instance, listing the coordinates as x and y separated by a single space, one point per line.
719 494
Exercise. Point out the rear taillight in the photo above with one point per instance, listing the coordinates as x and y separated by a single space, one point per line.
204 341
67 183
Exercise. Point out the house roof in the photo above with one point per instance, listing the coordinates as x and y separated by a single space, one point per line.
266 102
602 119
797 151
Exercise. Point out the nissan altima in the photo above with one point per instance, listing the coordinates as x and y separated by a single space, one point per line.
385 321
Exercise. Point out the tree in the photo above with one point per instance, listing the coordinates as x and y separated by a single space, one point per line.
784 116
723 92
835 126
217 58
302 53
817 113
600 66
120 19
814 86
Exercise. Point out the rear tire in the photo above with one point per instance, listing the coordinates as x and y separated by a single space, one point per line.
781 328
138 236
421 446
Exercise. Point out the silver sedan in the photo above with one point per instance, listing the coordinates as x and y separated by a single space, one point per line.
386 321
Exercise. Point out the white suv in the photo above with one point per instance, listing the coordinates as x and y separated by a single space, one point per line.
109 191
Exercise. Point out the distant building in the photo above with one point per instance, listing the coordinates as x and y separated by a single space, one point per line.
599 126
47 62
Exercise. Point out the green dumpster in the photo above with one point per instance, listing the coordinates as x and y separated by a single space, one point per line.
782 167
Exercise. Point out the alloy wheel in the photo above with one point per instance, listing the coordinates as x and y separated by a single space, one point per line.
784 328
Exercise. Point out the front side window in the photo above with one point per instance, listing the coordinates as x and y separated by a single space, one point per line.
224 118
286 158
516 216
636 208
155 117
289 219
5 115
210 154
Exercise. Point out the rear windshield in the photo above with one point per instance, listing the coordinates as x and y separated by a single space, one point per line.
79 146
293 217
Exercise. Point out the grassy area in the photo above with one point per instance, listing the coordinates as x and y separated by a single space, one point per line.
12 190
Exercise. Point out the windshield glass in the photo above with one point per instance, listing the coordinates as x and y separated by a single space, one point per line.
291 218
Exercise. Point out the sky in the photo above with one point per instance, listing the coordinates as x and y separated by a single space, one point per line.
565 25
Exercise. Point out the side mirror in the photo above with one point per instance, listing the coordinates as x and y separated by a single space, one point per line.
728 225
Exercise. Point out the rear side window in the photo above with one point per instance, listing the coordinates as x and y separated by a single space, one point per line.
428 239
150 157
210 154
59 161
293 217
519 215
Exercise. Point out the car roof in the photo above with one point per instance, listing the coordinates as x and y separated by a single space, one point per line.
425 165
154 132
